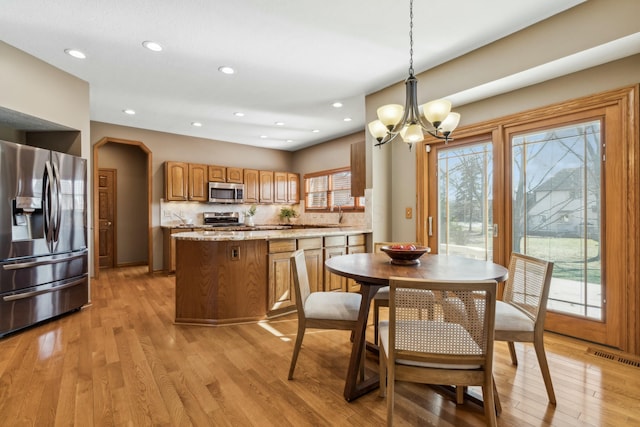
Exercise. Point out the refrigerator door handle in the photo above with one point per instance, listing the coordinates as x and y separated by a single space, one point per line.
46 203
30 264
44 291
58 211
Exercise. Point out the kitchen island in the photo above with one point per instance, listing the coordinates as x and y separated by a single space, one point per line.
241 276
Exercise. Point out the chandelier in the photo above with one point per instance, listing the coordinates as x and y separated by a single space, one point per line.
393 119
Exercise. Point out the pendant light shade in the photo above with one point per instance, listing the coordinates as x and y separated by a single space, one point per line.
390 114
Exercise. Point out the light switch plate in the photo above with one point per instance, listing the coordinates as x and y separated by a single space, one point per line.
408 213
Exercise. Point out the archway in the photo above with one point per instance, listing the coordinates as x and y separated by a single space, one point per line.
95 165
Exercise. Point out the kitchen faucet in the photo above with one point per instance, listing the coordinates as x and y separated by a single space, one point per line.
339 212
181 218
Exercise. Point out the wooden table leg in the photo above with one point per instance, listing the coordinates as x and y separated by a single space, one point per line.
353 388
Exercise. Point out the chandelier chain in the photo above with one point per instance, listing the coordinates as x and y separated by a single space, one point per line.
411 37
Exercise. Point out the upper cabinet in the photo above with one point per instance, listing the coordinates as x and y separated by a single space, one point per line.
285 186
266 187
280 187
217 173
251 186
176 175
293 184
185 181
198 182
190 182
235 175
358 169
225 174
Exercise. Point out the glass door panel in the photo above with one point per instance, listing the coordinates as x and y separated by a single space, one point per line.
557 212
465 194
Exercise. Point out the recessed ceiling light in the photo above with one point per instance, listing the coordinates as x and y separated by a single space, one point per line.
129 111
196 124
263 136
75 53
337 104
279 124
347 119
152 46
238 114
226 69
315 130
289 140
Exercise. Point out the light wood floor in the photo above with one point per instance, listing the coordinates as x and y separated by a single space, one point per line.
123 362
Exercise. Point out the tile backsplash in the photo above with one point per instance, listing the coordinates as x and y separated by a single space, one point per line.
170 213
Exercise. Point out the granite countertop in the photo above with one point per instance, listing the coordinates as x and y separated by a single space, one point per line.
243 227
290 233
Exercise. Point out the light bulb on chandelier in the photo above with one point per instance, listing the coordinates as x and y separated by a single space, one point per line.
436 119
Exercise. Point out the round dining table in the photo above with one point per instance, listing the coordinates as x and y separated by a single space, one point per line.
372 271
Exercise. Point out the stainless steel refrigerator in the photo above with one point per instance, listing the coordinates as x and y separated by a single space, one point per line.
43 235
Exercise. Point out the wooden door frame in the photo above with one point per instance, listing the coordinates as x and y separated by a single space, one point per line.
96 237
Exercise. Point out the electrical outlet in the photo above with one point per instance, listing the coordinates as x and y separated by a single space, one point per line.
408 213
166 213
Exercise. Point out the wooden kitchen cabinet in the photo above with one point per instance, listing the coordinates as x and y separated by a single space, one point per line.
217 173
176 175
266 187
356 244
314 260
293 184
169 248
185 181
280 294
280 187
358 169
285 185
225 174
198 182
334 246
220 282
235 175
251 186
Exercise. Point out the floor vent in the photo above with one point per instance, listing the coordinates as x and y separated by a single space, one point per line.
624 359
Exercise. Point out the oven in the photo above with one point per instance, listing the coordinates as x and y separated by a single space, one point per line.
221 219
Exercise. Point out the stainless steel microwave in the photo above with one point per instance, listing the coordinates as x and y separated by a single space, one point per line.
225 192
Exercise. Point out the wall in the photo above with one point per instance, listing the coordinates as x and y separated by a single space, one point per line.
166 146
130 163
393 174
33 88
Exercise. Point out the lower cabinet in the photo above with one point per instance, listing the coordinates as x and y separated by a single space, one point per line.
356 244
220 282
334 246
314 261
169 248
281 289
280 295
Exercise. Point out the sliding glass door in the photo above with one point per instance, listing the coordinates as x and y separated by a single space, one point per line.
465 195
554 187
557 211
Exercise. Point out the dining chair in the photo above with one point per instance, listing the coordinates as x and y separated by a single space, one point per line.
436 351
381 298
320 310
521 313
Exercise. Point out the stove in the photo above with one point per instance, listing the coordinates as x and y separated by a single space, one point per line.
221 219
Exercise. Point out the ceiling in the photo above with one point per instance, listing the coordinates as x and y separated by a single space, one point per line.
293 59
